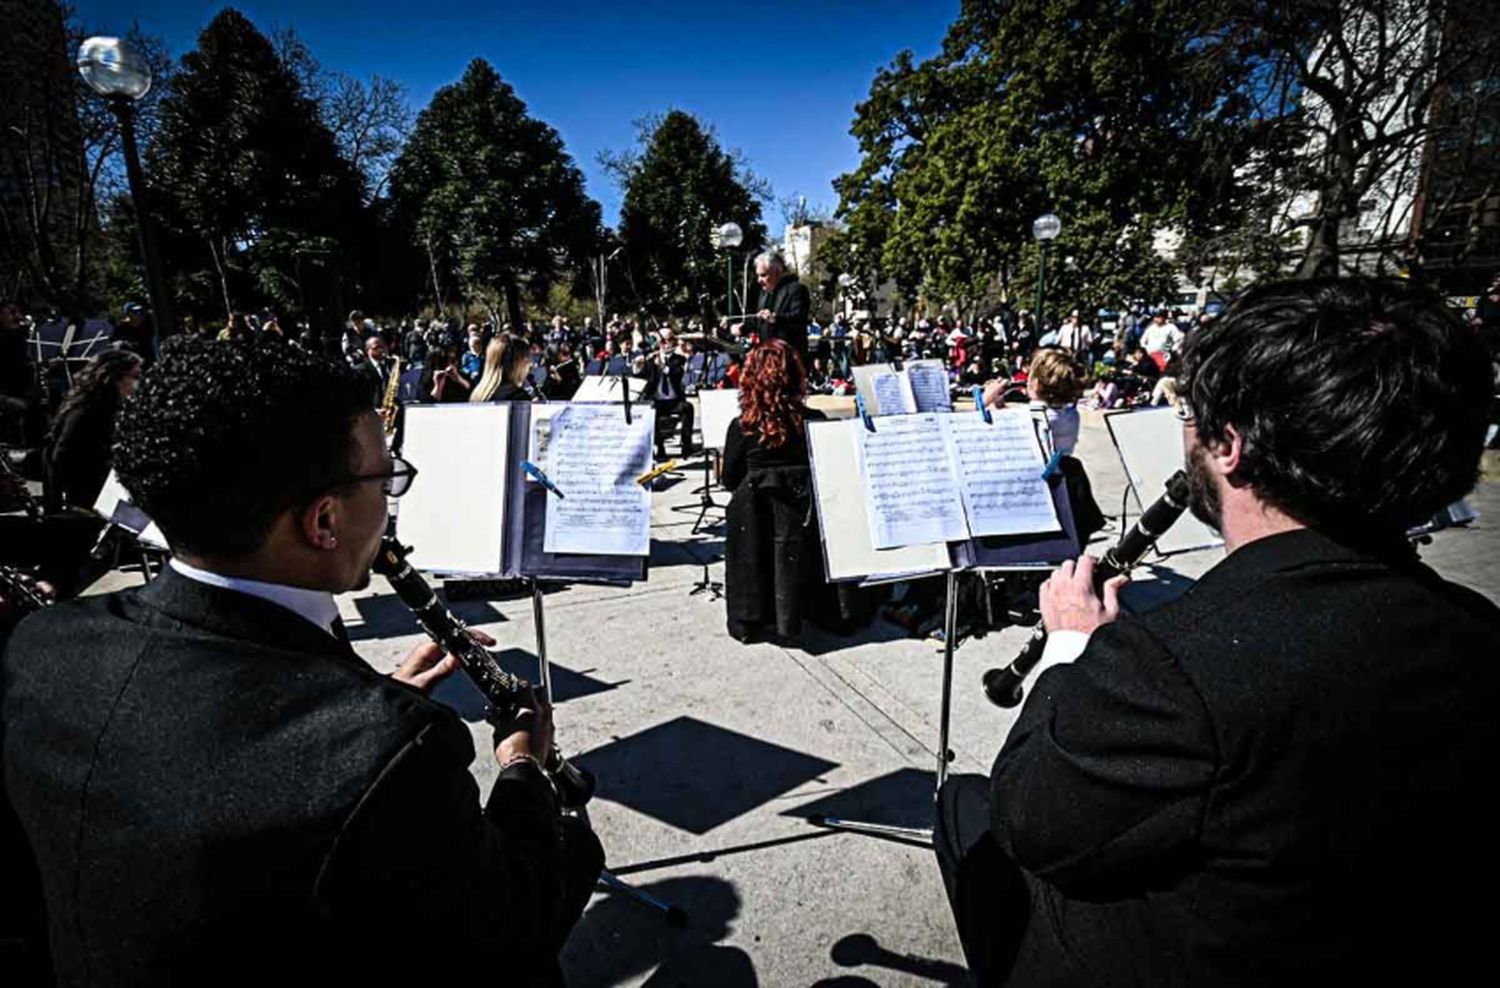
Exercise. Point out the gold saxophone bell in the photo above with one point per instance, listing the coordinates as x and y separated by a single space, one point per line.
388 405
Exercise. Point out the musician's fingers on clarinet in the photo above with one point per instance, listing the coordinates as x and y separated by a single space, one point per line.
1112 588
425 666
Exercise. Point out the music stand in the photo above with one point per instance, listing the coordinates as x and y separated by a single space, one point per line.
672 915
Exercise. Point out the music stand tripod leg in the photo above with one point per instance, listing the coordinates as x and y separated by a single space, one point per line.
922 834
673 915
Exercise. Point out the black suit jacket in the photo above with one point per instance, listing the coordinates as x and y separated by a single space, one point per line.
792 305
1269 781
215 789
675 364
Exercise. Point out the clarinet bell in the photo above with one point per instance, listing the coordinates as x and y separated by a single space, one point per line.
1003 687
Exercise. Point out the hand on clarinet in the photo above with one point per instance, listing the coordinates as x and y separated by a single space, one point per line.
1068 600
425 665
527 732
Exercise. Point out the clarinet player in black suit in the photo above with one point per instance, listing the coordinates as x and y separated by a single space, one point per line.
1272 780
212 784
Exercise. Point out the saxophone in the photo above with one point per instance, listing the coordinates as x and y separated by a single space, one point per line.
388 405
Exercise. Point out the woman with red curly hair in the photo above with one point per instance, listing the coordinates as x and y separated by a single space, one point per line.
772 558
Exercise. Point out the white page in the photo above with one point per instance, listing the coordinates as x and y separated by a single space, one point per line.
929 386
999 467
541 433
844 518
454 514
909 484
892 393
593 457
1149 442
597 388
718 408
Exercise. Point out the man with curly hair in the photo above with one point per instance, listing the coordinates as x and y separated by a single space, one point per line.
212 783
1272 779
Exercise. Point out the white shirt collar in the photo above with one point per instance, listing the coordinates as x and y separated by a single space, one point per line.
316 606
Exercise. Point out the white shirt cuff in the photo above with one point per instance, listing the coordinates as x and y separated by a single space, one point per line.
1062 646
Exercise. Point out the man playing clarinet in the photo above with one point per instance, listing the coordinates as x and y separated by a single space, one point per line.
212 784
1271 780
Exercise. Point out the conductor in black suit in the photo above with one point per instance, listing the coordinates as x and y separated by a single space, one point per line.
212 784
785 304
1271 780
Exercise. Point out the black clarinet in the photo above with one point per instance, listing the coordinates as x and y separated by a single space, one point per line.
1004 686
501 690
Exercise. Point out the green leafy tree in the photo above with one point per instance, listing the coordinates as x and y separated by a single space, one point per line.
679 185
495 199
1093 109
246 173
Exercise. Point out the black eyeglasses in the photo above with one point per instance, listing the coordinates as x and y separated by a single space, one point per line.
397 480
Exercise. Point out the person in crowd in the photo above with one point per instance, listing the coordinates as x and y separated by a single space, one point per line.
136 332
507 362
22 408
442 380
785 303
241 777
1075 336
236 327
352 341
1217 791
772 560
1161 338
78 455
668 393
472 363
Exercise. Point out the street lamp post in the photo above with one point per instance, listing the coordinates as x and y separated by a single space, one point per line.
118 73
726 237
1046 227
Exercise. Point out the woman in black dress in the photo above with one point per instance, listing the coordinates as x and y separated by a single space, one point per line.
772 559
507 362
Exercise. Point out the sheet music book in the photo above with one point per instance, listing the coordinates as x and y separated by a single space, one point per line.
602 388
919 386
717 409
114 504
1032 515
474 512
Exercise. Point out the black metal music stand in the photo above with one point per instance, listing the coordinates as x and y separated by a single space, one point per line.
945 756
706 502
671 915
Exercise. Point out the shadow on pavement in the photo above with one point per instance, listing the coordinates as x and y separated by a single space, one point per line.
618 940
859 949
900 799
696 776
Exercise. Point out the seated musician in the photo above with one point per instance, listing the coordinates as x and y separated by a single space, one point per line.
1272 779
772 559
213 785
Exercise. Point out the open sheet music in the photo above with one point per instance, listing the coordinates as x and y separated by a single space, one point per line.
999 466
911 492
594 456
919 386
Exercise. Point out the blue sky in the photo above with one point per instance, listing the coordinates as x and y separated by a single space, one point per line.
778 80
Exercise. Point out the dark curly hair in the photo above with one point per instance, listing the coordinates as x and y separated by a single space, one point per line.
1360 403
221 437
771 389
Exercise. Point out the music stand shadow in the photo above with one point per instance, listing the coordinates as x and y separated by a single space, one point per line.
859 949
385 616
900 799
616 940
696 776
1165 586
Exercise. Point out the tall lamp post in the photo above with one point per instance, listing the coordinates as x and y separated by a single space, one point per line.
1045 227
118 73
726 237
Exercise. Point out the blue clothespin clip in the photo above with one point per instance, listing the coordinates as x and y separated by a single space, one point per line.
864 413
535 473
1053 463
980 405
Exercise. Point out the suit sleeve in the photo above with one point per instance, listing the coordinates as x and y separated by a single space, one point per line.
1105 776
419 847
